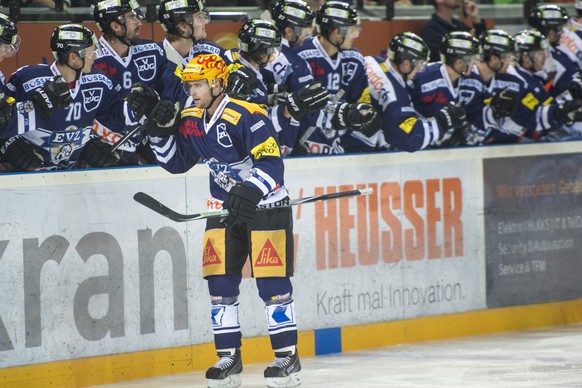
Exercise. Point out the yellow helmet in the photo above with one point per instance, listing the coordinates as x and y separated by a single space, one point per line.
206 66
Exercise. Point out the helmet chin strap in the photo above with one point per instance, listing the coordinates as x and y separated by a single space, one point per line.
122 38
337 46
77 71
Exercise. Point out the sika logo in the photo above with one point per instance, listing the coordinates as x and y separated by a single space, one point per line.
210 257
268 257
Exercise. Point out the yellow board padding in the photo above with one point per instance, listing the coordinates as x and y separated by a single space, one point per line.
162 362
138 365
479 322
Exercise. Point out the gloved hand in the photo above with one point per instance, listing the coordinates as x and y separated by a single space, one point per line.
162 121
575 87
504 103
307 99
241 204
357 116
240 83
23 156
450 117
5 111
141 99
97 153
53 95
569 112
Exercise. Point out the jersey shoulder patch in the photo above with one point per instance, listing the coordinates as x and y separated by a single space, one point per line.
192 112
249 106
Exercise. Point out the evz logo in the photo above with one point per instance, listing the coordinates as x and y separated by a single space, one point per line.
146 67
348 72
223 137
91 98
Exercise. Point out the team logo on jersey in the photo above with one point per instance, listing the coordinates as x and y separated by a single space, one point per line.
91 98
222 136
348 72
146 67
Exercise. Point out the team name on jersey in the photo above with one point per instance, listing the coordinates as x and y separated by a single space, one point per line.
470 82
507 84
34 83
205 48
353 55
146 47
69 136
314 53
87 78
437 83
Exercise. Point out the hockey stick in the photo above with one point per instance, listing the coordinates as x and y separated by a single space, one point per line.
155 205
126 137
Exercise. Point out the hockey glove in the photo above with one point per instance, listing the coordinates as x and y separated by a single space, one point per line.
141 99
575 87
23 156
504 103
569 112
241 204
53 95
241 83
450 117
5 112
162 121
97 153
356 116
307 99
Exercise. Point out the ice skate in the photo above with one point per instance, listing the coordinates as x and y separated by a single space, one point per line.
284 371
226 372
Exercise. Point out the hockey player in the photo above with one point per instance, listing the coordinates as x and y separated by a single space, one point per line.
294 19
565 83
403 127
185 24
441 83
260 47
55 133
340 69
128 60
238 143
519 105
9 45
571 39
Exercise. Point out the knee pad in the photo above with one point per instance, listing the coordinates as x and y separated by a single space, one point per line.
224 285
280 315
273 289
224 314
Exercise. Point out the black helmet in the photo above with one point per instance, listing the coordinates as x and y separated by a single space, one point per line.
545 17
336 14
71 38
407 45
496 42
106 11
257 34
292 13
530 40
172 12
458 44
8 30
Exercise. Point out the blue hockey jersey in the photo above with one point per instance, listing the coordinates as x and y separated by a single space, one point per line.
535 111
290 72
238 144
403 127
345 72
62 137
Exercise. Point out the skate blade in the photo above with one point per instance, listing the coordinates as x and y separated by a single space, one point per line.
289 381
232 381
